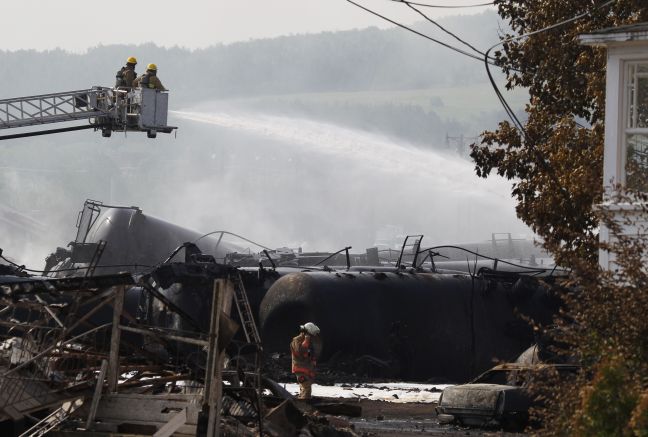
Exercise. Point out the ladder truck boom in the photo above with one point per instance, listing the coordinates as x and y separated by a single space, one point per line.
105 109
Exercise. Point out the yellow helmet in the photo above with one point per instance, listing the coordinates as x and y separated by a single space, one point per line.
151 67
131 60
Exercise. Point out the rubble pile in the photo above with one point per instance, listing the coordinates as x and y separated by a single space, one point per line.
293 417
73 352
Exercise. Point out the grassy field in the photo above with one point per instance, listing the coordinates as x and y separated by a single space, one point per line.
461 103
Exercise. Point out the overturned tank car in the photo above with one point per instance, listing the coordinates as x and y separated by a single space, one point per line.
410 319
422 325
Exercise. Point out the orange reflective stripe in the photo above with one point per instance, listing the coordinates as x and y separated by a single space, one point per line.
304 370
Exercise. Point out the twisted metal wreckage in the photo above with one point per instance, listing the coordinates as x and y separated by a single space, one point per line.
113 340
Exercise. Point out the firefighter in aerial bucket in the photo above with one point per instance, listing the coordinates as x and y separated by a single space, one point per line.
305 350
126 75
149 79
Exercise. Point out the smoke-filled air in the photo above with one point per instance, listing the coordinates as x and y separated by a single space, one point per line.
282 140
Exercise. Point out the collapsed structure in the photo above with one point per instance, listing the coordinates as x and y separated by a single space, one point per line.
111 354
64 337
139 313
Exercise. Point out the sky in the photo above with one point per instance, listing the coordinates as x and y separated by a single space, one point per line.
76 25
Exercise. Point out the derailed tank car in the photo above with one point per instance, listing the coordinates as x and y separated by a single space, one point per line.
417 323
119 238
424 325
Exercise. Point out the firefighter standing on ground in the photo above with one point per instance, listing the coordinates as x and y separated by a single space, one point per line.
126 75
149 79
305 349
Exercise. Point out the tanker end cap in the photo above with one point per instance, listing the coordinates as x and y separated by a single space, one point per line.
310 328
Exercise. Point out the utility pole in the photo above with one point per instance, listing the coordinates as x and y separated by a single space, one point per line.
460 143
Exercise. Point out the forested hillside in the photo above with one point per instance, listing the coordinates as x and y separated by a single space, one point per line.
368 59
389 81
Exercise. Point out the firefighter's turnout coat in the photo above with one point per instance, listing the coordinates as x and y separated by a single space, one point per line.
148 80
125 77
305 350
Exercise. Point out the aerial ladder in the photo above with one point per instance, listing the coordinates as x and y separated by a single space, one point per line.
105 109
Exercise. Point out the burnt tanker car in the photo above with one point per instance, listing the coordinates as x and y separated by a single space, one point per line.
118 238
423 325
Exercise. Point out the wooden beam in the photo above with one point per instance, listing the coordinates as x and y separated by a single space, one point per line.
228 298
161 335
113 363
213 380
97 394
172 425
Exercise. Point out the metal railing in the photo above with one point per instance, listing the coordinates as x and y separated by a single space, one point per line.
55 107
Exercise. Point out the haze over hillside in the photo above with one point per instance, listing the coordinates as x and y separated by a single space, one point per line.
281 146
389 81
358 60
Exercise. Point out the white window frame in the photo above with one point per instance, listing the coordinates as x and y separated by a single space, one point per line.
625 130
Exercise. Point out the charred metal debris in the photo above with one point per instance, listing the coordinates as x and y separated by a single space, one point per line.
144 327
116 353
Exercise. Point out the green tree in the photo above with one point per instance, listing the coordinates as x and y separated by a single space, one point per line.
556 164
604 326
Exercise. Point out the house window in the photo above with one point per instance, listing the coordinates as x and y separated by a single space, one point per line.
636 126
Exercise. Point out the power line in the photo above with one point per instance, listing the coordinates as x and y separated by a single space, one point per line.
409 5
426 5
487 62
463 52
477 254
486 59
550 171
